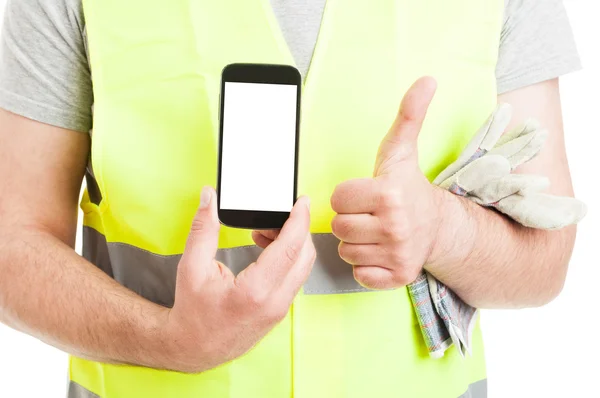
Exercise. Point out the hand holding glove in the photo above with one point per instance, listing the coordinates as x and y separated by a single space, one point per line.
483 174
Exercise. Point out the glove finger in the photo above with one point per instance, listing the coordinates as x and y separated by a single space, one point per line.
532 184
529 126
523 148
468 169
543 211
510 184
483 141
530 150
479 173
497 126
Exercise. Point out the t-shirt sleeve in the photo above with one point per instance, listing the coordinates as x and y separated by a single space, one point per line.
44 71
537 44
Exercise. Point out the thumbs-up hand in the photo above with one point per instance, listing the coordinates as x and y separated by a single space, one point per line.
388 224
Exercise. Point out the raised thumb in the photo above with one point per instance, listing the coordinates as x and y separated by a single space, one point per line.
203 239
401 140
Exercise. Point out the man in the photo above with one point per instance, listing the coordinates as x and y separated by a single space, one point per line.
132 331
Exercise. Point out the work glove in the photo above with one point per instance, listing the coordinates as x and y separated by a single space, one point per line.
483 174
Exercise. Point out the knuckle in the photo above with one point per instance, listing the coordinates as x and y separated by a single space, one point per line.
407 149
201 224
291 252
336 198
396 258
346 252
277 313
361 276
365 277
345 193
399 257
341 226
402 149
406 268
198 225
397 228
390 198
256 299
406 276
336 227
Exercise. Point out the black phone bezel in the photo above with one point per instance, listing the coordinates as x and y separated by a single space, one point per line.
265 74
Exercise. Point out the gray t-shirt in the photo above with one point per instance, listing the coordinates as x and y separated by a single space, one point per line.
45 75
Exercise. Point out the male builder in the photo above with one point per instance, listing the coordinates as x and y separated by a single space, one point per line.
149 311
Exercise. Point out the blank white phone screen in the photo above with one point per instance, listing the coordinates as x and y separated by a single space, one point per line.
259 147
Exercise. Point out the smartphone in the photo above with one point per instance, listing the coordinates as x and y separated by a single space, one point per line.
258 145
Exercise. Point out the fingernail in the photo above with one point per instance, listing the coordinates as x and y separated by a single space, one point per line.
205 197
304 199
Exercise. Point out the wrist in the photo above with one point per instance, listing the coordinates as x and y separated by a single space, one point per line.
455 233
180 350
170 342
158 340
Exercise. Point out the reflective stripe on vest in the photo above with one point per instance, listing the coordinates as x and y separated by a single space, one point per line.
475 390
153 276
156 69
78 391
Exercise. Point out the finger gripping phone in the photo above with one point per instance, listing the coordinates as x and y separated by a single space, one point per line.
258 145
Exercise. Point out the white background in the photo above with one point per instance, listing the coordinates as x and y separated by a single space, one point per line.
259 129
548 352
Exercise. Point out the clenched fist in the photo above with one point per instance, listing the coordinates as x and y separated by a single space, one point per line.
388 224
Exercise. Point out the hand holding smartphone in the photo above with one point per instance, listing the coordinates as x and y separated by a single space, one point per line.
258 145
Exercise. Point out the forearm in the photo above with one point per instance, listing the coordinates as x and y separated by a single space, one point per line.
492 262
48 291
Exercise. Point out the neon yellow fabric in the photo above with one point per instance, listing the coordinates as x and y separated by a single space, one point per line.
156 70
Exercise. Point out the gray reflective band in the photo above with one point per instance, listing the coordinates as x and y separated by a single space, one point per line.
153 276
330 274
476 390
77 391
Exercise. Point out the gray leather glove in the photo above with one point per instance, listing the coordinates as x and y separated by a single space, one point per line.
483 174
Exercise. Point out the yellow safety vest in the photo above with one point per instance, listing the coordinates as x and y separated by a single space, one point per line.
156 68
